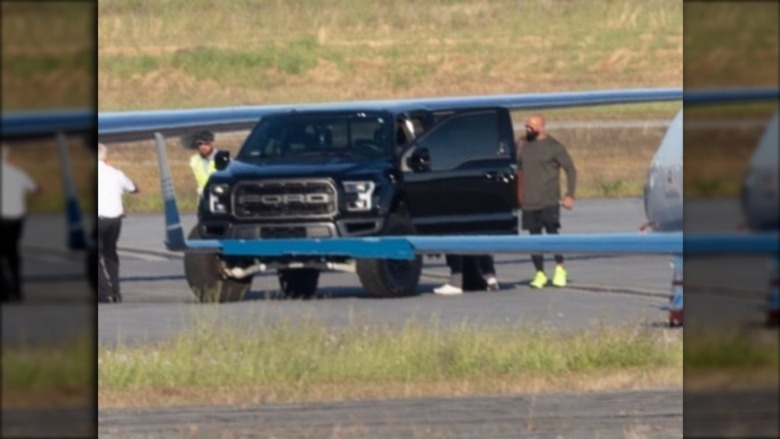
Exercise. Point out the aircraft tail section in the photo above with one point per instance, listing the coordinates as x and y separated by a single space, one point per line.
77 236
174 234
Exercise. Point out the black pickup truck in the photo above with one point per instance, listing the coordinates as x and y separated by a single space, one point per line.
354 172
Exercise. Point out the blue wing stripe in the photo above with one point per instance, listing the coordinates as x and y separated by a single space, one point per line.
736 243
722 96
384 248
405 247
599 243
34 123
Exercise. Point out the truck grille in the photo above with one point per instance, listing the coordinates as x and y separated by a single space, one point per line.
285 199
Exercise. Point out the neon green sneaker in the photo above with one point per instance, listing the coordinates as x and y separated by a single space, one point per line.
539 281
559 279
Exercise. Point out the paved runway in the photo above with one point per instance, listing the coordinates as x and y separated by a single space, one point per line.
158 304
612 289
647 414
606 288
58 302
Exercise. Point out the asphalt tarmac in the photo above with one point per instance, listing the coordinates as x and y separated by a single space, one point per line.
645 414
612 289
603 289
58 304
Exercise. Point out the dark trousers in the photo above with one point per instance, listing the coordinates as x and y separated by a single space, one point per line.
535 221
10 261
108 259
455 262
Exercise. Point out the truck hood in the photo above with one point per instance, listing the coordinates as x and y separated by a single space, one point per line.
301 167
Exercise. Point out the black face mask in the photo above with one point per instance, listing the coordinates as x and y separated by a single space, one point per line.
531 135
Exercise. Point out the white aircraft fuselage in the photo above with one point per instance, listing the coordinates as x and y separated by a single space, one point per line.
760 200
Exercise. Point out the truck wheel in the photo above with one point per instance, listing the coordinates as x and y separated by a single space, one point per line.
473 279
391 277
205 280
299 283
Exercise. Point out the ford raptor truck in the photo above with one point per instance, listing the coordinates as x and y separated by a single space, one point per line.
390 170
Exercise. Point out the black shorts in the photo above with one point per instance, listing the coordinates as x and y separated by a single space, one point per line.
548 218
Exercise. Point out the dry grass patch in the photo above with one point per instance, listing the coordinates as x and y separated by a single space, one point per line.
304 361
732 360
47 55
48 376
272 52
599 381
716 159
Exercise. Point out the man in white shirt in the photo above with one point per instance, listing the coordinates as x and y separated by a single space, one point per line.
16 185
112 184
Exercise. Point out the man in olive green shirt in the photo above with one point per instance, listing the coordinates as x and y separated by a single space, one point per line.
539 191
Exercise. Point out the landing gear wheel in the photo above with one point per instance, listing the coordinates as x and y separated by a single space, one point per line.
300 283
205 280
391 277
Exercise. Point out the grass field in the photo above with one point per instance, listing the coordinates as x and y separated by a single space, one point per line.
193 53
304 361
179 53
47 55
731 359
48 376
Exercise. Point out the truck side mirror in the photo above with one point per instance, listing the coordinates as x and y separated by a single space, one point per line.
221 160
420 160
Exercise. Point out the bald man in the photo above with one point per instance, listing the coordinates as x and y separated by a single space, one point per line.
541 159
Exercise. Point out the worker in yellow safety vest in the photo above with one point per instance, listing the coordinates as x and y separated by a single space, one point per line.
202 163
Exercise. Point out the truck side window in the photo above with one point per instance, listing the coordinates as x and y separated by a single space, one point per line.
461 139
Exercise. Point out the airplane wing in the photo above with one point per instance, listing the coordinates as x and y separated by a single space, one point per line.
44 123
124 126
727 96
137 125
407 247
39 124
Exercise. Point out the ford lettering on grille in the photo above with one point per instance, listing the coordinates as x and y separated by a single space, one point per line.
295 198
285 199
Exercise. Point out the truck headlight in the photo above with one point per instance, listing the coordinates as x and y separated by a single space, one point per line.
218 198
363 190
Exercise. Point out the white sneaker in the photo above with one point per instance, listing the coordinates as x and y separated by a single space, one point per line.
448 290
492 284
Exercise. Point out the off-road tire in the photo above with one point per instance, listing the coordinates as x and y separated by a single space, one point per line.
299 283
206 281
388 277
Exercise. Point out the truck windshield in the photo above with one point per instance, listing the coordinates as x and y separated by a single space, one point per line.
355 135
